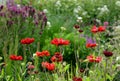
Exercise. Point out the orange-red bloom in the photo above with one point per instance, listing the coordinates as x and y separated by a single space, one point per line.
49 66
57 57
27 40
15 57
91 45
60 41
92 58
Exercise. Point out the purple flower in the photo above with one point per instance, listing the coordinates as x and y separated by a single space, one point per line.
90 40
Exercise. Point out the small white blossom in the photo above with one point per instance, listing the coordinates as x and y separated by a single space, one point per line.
45 11
48 24
58 4
63 28
84 13
117 3
117 58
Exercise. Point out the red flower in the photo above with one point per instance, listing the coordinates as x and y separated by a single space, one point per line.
77 79
49 66
107 53
14 57
27 41
39 54
46 53
98 59
57 57
43 53
91 45
94 29
82 70
59 41
101 28
92 58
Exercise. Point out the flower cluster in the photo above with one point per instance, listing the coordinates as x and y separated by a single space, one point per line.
98 29
43 53
15 57
92 58
49 66
57 57
60 41
27 40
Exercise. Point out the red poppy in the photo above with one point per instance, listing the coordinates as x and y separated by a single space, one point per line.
43 53
92 58
57 57
39 54
91 45
15 57
94 29
77 79
59 41
46 53
49 66
27 40
101 28
107 53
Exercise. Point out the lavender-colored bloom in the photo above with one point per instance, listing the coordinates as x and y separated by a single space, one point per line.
90 40
2 14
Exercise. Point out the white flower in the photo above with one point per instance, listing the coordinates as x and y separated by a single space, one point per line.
79 19
58 4
63 28
34 54
84 13
117 58
77 9
117 3
48 24
103 10
45 11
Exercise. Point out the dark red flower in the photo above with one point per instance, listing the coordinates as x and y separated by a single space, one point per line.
107 53
49 66
101 28
80 31
76 26
15 57
94 29
82 70
27 40
92 58
57 57
77 79
59 41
